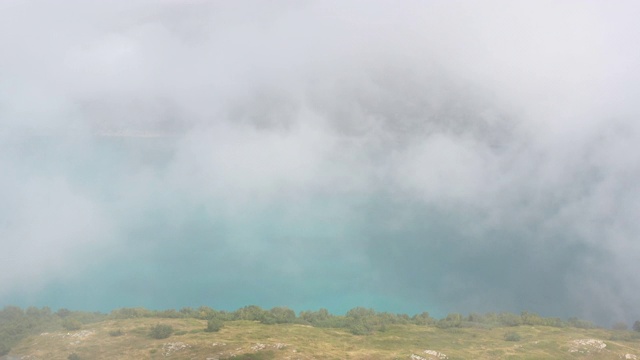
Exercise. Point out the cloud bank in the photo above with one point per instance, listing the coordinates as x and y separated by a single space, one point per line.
409 156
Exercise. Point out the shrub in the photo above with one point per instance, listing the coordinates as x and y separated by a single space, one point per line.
453 320
263 355
116 332
636 325
251 312
73 356
360 328
130 313
213 325
509 319
282 315
360 313
71 324
512 336
268 319
63 313
422 319
161 331
581 324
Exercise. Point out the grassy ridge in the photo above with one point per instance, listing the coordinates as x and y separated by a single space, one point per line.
254 333
244 339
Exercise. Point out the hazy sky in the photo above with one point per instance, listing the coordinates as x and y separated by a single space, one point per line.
410 156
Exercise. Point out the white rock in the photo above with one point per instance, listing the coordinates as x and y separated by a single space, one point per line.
585 346
437 354
170 348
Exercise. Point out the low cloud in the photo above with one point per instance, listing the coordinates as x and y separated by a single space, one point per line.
420 156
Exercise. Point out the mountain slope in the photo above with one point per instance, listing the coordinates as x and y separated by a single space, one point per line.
129 339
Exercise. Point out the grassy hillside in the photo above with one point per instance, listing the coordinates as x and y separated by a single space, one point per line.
241 339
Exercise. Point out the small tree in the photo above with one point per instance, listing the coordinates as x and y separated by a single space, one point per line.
423 319
213 325
116 332
282 315
636 325
360 328
251 312
63 313
359 313
512 336
161 331
316 318
451 321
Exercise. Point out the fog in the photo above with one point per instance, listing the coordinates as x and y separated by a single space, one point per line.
408 156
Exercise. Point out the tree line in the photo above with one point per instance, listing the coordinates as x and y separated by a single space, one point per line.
17 323
358 319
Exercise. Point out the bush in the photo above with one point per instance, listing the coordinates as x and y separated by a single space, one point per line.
161 331
282 315
116 332
213 325
251 312
512 336
360 329
130 313
509 319
423 319
71 324
262 355
73 356
453 320
63 313
636 325
581 324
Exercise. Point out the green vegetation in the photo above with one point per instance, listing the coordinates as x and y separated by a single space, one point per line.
214 325
15 324
358 317
161 331
116 333
71 324
512 336
255 333
266 355
245 339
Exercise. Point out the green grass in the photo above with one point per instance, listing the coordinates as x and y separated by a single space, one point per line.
252 340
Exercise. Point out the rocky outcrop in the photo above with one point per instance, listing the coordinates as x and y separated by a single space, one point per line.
586 346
